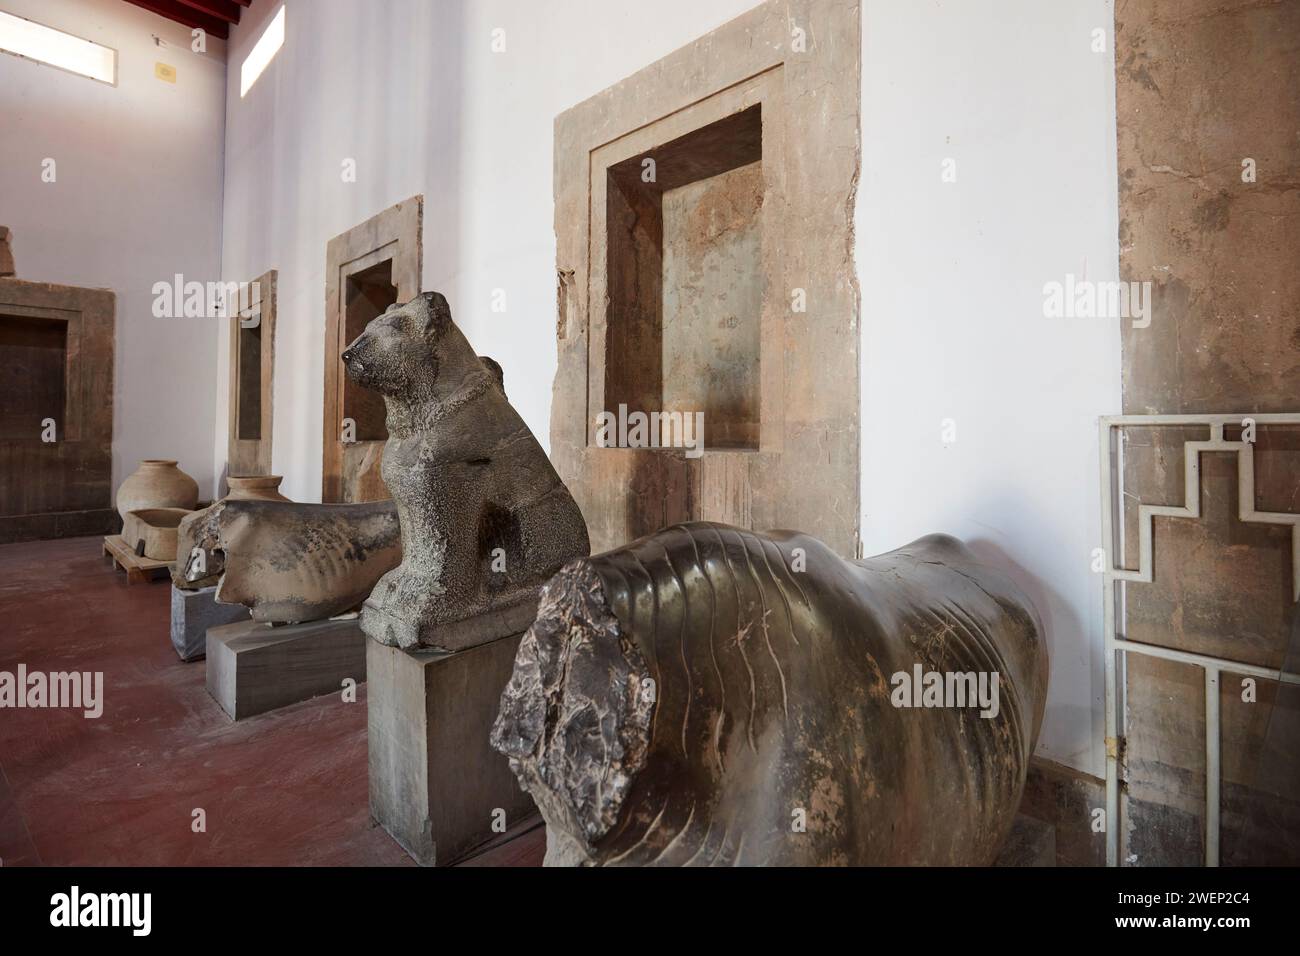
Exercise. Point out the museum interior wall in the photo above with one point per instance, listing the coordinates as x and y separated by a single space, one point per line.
146 155
482 160
955 346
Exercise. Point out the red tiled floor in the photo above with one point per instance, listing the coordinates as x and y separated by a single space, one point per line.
287 787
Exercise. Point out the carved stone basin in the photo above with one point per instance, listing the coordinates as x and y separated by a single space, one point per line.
152 531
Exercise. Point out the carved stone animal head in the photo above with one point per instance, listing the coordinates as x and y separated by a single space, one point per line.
413 352
575 717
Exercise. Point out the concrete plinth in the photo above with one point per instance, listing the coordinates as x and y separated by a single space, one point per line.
255 667
193 613
435 783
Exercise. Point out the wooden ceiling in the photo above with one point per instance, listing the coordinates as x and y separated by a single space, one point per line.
214 16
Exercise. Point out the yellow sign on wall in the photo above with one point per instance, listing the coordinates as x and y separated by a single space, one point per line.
164 72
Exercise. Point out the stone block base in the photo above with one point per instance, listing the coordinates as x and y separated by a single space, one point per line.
254 667
193 612
436 785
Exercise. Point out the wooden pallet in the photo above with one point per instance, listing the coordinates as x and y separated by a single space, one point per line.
137 567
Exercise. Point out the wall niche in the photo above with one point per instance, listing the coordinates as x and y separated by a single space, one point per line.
368 293
56 411
33 357
704 235
252 371
368 268
685 278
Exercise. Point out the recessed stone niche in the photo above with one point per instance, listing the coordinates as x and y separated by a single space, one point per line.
684 240
368 268
33 354
56 382
252 371
250 384
704 237
368 293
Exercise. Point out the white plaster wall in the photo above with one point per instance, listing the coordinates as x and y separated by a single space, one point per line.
412 91
137 199
953 327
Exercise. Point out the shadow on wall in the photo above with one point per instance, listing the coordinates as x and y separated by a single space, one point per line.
1067 636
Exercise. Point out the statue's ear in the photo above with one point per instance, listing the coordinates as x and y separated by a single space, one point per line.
437 313
495 370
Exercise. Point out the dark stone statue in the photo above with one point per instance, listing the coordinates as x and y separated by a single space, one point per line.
713 696
485 519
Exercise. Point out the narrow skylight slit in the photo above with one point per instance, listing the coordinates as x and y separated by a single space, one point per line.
263 52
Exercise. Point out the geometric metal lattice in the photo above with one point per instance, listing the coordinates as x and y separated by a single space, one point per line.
1116 646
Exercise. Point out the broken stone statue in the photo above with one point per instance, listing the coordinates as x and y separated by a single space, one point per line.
289 562
201 527
485 519
713 696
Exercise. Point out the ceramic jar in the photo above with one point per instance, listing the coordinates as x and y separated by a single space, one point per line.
254 488
157 483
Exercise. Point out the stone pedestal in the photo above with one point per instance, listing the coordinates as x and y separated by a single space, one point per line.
193 612
255 667
435 783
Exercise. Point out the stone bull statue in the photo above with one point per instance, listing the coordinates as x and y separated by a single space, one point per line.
289 562
713 696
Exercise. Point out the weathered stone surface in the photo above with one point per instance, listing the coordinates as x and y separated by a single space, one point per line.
695 697
290 562
485 520
201 529
1208 103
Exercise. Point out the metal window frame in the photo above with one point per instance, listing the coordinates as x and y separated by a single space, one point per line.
1117 647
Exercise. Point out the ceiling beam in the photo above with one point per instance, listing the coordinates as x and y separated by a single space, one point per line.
226 10
178 12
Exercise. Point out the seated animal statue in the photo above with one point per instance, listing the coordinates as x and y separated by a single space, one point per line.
713 696
485 519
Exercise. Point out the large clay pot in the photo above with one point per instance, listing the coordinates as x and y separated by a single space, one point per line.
254 488
157 483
